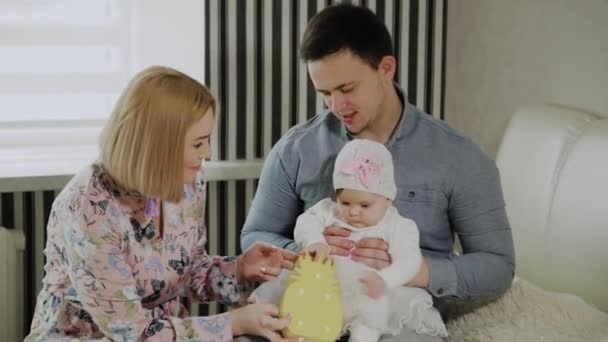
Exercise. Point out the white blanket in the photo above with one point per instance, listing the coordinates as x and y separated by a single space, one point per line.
529 313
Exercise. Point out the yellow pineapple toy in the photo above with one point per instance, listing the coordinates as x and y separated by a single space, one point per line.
314 300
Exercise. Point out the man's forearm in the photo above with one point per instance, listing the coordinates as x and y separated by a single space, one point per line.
470 276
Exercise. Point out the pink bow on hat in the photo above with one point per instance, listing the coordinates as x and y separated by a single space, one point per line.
364 167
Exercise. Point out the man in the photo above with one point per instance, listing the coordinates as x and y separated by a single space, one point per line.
445 183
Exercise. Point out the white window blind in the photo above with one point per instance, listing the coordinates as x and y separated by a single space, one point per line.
62 65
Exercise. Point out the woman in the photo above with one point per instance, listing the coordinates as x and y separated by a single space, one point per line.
126 235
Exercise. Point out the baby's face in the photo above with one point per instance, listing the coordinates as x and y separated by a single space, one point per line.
362 209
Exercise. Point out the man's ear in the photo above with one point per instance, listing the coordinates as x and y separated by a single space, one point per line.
387 67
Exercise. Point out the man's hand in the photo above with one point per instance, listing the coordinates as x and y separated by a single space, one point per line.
372 252
337 239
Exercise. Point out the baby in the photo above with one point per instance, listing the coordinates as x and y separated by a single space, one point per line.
376 302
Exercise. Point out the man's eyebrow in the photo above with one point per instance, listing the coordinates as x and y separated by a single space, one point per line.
339 87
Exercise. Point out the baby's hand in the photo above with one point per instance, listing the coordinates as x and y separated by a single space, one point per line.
375 286
318 250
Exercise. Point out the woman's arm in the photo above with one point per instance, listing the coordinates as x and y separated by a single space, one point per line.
105 285
214 277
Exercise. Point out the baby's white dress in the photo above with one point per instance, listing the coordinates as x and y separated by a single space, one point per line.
401 307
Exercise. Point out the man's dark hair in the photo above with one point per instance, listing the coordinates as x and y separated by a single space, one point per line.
346 26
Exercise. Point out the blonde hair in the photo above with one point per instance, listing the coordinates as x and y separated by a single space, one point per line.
142 144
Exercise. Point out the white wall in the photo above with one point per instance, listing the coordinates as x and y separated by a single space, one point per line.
502 55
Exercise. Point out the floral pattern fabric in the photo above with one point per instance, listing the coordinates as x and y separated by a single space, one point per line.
112 274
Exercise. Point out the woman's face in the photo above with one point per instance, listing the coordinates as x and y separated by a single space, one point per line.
197 146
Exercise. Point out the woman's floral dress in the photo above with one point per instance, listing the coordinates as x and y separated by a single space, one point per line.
112 275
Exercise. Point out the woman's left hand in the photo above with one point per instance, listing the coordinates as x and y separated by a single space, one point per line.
262 262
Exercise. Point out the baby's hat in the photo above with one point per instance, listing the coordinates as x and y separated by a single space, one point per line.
365 165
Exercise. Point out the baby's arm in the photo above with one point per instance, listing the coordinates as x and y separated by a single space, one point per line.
404 249
375 286
311 224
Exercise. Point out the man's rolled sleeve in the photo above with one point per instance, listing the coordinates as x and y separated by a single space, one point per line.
443 278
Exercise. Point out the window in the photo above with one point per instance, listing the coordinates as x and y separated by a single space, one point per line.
63 64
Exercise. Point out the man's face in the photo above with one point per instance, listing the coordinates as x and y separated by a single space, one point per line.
352 89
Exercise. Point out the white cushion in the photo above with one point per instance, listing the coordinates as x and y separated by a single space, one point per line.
554 172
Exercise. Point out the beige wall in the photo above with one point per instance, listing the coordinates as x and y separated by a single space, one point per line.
502 55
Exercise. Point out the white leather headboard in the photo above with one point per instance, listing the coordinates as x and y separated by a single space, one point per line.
554 173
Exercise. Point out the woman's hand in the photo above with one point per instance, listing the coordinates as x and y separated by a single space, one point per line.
261 320
262 262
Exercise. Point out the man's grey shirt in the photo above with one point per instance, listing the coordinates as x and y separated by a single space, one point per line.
445 183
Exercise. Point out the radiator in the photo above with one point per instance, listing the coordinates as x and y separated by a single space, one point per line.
12 247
